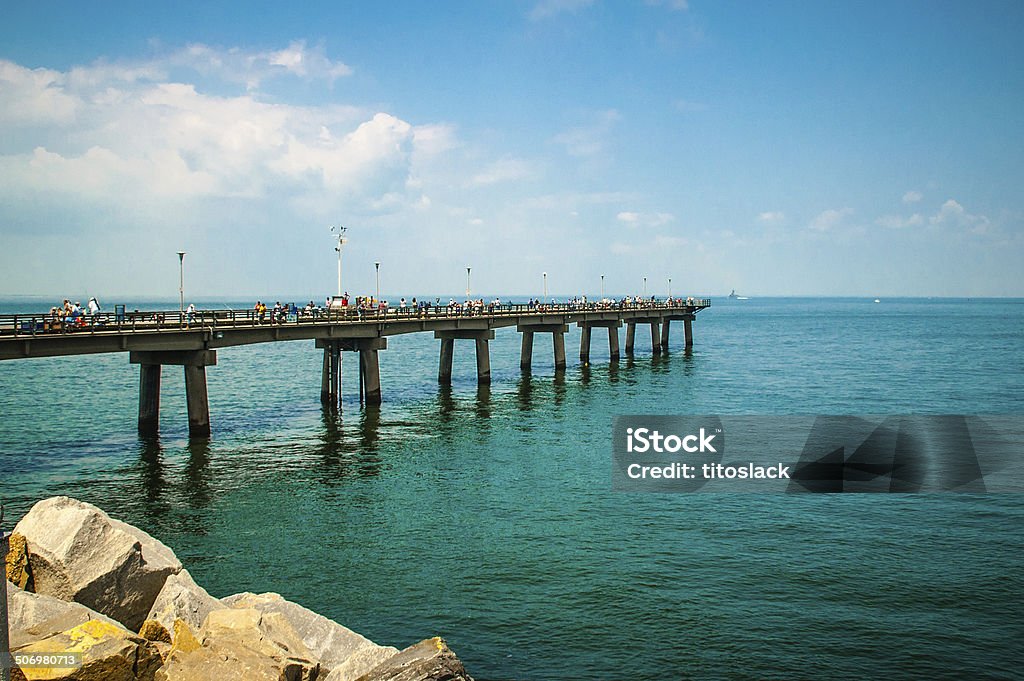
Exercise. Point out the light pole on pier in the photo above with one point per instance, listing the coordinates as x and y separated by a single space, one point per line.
670 288
468 268
602 287
545 288
376 266
339 231
645 287
181 281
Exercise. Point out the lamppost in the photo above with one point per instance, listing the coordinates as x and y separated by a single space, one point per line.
602 287
645 287
670 288
376 266
181 281
339 231
545 288
468 268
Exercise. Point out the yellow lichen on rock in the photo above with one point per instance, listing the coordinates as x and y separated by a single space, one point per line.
184 640
16 561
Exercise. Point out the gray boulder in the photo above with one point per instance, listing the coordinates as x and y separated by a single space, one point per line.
32 616
429 660
108 651
181 598
79 553
242 643
329 642
360 662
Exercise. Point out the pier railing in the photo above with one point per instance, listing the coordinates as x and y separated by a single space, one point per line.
37 324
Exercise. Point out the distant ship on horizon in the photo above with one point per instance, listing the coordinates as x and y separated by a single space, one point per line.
733 296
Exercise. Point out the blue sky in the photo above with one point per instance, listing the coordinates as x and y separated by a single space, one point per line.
816 148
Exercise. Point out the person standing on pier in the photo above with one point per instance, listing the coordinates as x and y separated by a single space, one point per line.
94 310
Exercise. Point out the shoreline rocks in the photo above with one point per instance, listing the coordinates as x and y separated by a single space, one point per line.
76 552
81 581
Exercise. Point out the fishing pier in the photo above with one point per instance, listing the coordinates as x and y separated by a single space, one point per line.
157 339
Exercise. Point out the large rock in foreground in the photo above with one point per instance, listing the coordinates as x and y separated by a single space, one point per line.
109 653
242 643
429 660
79 553
329 642
33 617
360 662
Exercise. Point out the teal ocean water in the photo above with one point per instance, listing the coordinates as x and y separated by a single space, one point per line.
487 516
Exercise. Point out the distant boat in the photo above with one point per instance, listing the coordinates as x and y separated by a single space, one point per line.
733 296
877 300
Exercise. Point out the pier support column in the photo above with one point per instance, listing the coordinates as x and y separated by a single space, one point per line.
483 354
444 371
483 362
369 367
558 341
526 355
630 337
557 331
330 374
656 338
587 327
585 344
325 378
664 334
688 332
196 398
149 399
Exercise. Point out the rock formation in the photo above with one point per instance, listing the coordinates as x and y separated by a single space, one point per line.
81 582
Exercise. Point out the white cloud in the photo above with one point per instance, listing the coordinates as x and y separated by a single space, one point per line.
591 138
434 139
900 222
503 170
772 217
953 215
665 241
548 8
109 129
34 96
829 219
251 68
912 196
674 5
635 219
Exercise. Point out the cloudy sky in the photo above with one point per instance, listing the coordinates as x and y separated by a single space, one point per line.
822 148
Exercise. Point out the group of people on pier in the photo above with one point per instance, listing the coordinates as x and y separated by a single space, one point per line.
73 315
